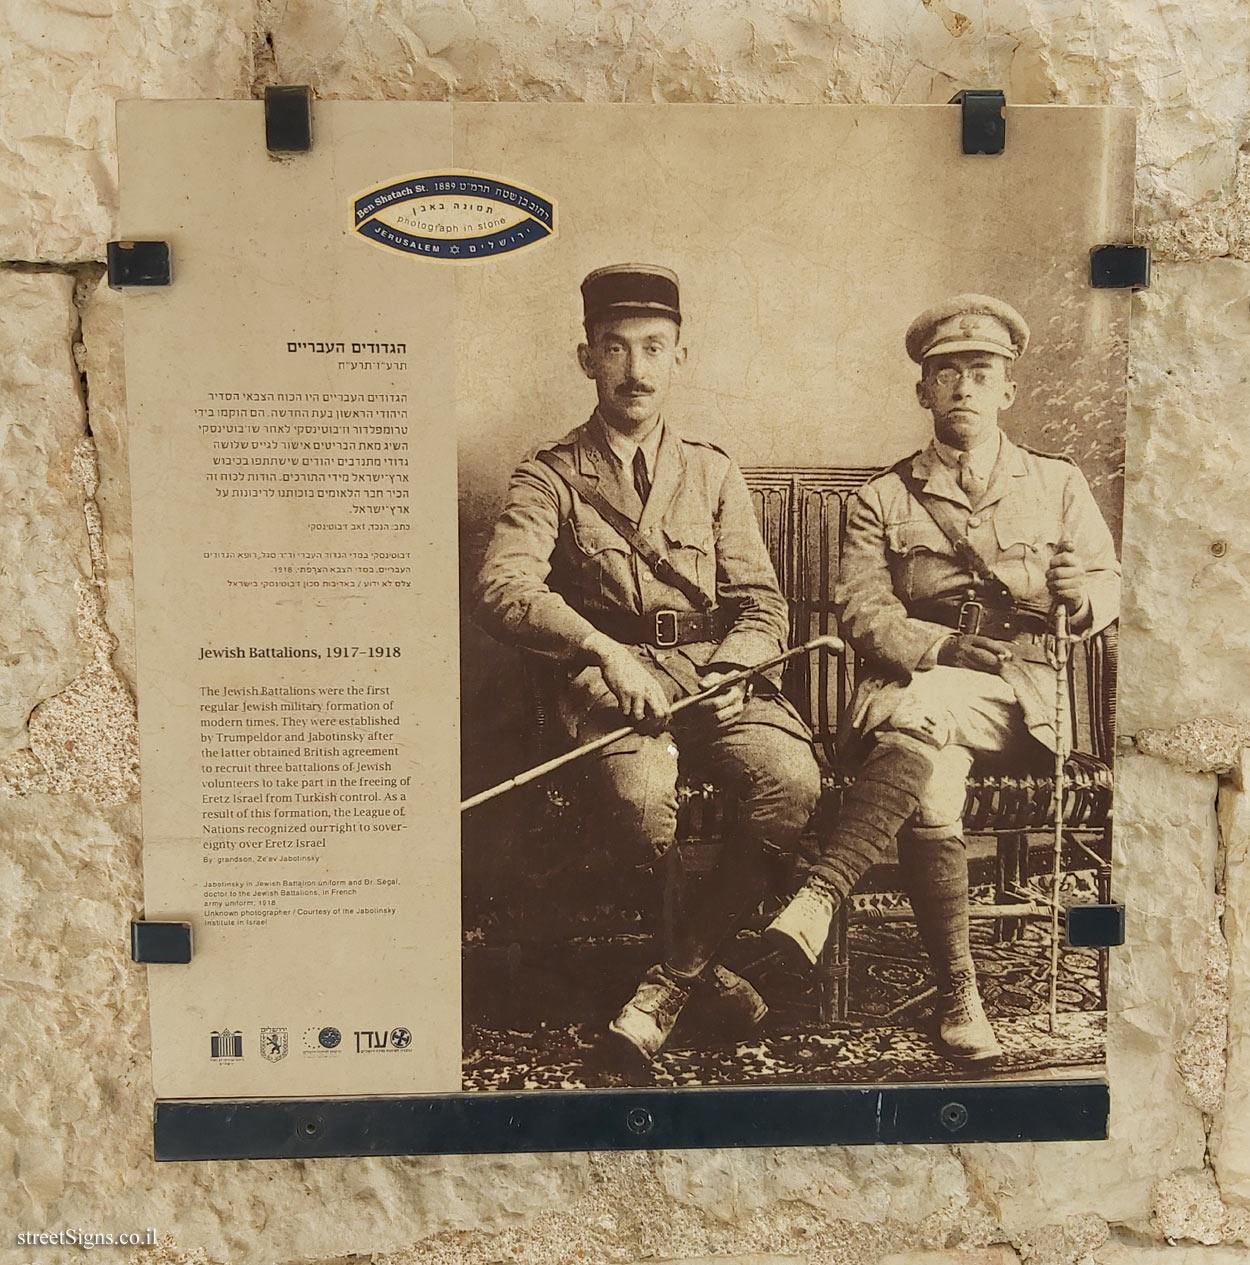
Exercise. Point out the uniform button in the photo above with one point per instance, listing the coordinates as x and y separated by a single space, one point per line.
974 521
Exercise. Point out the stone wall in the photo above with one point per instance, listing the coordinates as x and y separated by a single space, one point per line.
1172 1187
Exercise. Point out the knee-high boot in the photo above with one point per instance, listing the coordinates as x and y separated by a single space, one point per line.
717 910
884 796
935 875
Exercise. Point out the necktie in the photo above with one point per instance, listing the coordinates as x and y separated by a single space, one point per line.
642 480
971 482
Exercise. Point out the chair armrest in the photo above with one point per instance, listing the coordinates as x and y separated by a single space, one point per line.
545 736
1102 661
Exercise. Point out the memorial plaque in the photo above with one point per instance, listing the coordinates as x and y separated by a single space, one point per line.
478 432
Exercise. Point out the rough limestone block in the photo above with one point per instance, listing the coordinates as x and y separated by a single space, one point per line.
1171 1254
1183 68
86 737
1074 1237
1186 635
997 1254
73 1036
43 535
1230 1141
103 364
1201 1056
1165 852
870 1184
64 66
1218 226
541 50
739 1260
1202 745
1188 1206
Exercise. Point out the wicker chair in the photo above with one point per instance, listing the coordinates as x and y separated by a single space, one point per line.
802 515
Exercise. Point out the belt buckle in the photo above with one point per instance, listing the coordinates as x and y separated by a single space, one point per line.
665 640
970 617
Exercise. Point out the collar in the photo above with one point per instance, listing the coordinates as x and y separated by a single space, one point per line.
939 479
623 448
983 458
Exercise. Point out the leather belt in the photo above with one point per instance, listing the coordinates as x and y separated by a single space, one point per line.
968 614
664 629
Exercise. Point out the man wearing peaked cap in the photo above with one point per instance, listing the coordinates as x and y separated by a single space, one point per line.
952 564
628 556
968 322
631 290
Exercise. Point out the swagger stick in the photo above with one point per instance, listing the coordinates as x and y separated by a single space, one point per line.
830 644
1061 702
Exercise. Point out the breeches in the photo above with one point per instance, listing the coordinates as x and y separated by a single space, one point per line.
953 715
759 758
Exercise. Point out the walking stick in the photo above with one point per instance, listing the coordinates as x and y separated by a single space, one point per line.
830 644
1061 703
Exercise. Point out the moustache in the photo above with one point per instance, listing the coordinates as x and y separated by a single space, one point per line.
634 388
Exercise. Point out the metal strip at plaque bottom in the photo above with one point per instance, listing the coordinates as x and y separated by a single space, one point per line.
620 1120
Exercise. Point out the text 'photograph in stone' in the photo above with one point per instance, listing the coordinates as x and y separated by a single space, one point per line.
627 596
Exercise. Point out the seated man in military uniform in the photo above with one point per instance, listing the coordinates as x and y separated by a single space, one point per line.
952 564
628 554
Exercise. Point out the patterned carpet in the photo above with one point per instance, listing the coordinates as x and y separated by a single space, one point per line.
887 1036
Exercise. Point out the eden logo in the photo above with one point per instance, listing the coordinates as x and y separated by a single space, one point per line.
383 1039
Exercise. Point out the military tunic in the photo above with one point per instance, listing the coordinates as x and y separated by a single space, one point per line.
555 570
896 556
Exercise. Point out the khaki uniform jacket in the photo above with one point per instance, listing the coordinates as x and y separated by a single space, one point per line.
552 561
895 554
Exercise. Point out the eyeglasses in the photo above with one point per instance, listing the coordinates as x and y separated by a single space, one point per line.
978 375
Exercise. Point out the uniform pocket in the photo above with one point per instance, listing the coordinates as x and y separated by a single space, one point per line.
913 535
690 534
920 558
1022 557
604 566
1018 537
595 538
690 547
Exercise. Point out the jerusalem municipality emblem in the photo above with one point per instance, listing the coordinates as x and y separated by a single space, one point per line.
274 1043
454 216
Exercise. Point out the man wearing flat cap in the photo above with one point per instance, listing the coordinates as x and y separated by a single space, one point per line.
953 563
628 555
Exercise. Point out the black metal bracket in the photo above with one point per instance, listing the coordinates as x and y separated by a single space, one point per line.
1119 267
984 120
629 1119
138 264
160 941
288 118
1095 926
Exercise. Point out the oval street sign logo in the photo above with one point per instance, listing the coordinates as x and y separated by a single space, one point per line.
454 216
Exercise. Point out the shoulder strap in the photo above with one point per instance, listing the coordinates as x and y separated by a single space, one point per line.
965 551
1050 456
661 567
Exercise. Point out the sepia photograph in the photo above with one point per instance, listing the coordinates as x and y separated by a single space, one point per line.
791 478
